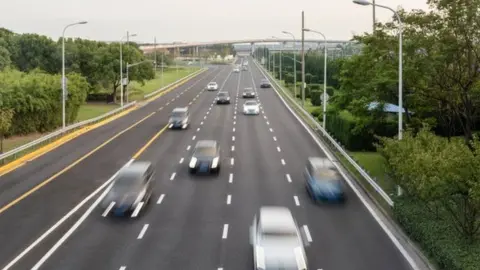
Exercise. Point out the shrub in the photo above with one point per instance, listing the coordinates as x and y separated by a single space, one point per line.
315 98
439 240
316 112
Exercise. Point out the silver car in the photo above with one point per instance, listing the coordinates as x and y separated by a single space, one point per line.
277 241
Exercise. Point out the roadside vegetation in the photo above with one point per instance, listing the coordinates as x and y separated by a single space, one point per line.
30 82
437 162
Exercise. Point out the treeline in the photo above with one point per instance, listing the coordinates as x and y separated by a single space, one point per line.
437 163
30 80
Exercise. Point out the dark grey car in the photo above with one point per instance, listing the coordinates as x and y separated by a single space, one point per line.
265 84
248 93
205 158
131 190
180 118
223 98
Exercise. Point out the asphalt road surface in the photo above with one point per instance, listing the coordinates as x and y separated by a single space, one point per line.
193 222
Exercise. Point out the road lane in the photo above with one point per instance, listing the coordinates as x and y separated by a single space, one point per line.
101 234
31 215
338 232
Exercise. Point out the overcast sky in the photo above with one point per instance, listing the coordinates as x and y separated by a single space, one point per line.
193 20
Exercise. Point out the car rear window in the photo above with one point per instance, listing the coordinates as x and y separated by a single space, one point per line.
250 103
222 94
178 114
205 151
325 175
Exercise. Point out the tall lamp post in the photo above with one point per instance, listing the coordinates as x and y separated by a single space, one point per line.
121 65
400 68
281 55
324 76
294 61
64 83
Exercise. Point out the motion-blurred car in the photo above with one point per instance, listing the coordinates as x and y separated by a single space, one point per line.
265 83
131 190
251 107
244 67
212 86
180 118
223 98
322 180
277 241
236 69
205 158
248 93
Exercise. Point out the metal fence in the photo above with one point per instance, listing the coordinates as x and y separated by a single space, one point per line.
306 115
17 152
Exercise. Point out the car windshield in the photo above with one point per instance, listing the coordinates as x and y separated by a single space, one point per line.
326 175
212 83
126 183
178 114
264 81
222 94
250 103
248 90
205 151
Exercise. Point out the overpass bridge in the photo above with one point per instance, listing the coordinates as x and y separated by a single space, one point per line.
149 47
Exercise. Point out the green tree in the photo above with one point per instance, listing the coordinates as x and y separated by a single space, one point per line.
6 116
4 58
443 173
35 51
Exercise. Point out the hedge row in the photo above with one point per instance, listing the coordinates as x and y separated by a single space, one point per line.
35 98
356 135
437 238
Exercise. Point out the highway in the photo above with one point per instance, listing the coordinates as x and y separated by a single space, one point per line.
193 222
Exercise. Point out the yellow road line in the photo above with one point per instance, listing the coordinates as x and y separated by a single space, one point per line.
53 177
149 142
11 166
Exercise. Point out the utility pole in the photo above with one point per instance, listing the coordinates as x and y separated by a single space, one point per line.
126 85
303 60
373 7
155 53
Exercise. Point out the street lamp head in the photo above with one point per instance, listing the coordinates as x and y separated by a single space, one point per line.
83 22
306 30
285 32
362 2
133 35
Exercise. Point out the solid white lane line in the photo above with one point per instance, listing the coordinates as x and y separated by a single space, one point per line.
109 208
274 138
143 231
193 138
225 231
233 138
198 129
233 147
229 199
201 123
230 178
62 220
122 268
233 129
160 199
173 176
232 161
307 233
188 147
278 149
283 161
289 179
181 160
297 202
271 130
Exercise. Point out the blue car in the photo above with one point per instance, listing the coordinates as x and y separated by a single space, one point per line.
322 180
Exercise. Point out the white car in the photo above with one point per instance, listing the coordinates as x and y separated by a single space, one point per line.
276 240
212 86
251 107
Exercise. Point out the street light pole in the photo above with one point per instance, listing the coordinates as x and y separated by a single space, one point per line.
303 60
121 66
294 62
281 49
400 69
64 83
324 101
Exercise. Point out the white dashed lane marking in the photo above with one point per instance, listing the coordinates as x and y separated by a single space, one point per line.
278 149
233 147
229 199
173 174
307 233
234 122
201 123
181 160
225 231
274 138
271 130
143 231
289 179
283 161
232 161
198 129
233 138
160 199
297 202
233 129
188 147
193 138
205 117
230 178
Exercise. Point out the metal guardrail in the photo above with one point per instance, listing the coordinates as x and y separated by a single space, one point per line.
173 83
72 127
57 133
337 146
